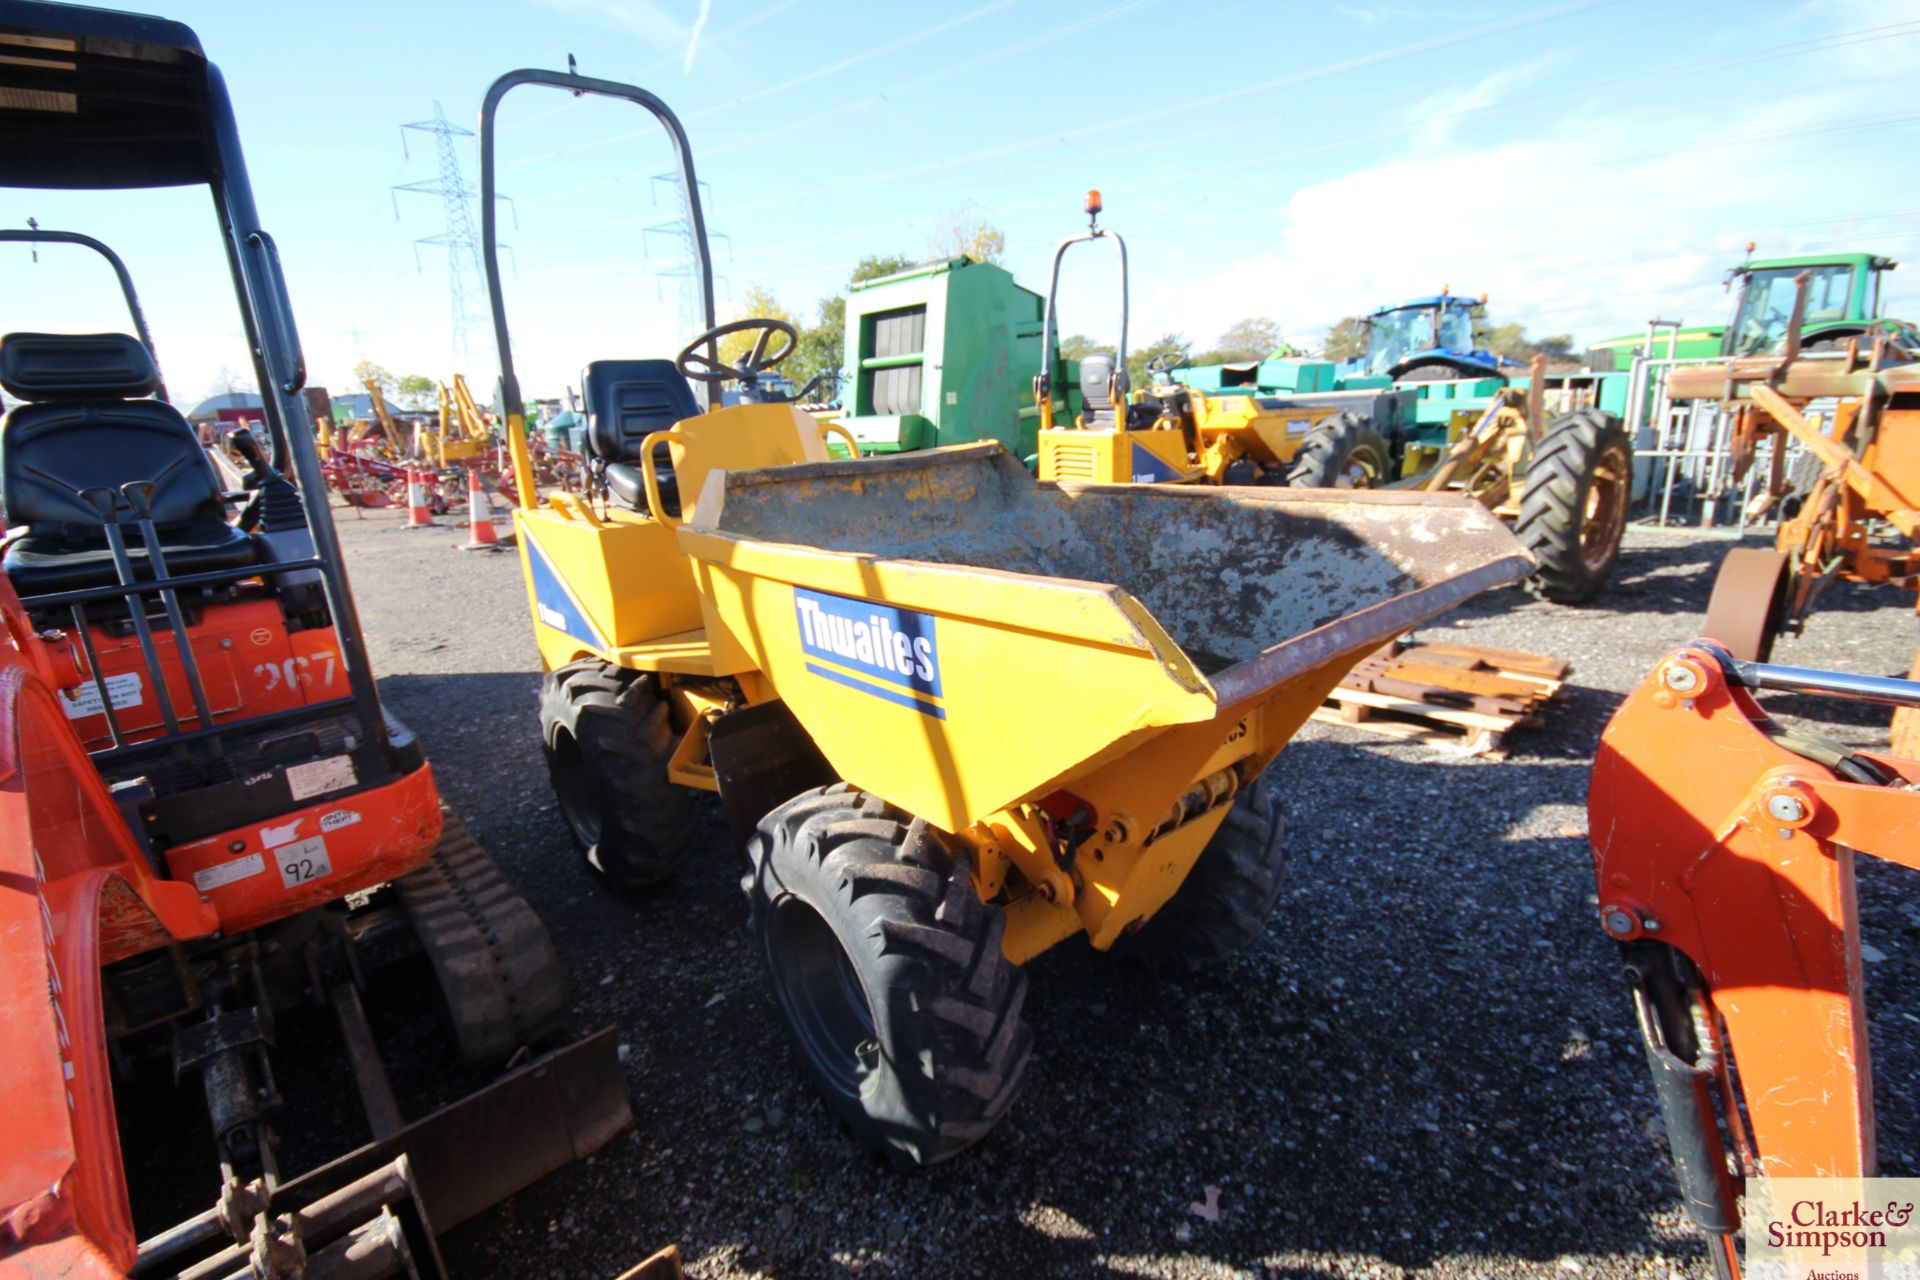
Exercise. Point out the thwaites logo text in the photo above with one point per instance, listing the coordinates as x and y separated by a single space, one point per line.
889 653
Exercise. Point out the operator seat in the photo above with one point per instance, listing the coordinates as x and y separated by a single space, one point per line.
628 400
1096 392
88 424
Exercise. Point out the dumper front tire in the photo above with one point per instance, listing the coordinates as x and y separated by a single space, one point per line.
1225 901
1573 505
1343 452
608 739
888 972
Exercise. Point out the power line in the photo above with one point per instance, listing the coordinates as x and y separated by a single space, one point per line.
685 264
458 237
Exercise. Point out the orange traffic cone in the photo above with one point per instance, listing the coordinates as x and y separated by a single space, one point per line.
419 514
480 534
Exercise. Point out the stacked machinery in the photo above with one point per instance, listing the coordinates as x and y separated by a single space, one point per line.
1565 484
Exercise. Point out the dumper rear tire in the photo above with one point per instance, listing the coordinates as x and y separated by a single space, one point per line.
608 738
1343 452
1224 904
888 972
1573 505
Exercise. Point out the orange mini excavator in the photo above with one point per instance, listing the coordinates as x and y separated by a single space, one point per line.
206 817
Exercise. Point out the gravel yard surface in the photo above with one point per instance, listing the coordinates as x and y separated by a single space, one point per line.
1426 1068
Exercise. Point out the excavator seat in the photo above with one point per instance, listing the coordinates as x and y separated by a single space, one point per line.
88 423
627 400
1096 392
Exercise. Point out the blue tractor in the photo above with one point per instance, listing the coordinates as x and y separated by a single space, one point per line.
1432 339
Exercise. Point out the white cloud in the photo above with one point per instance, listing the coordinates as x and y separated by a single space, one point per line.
693 36
642 18
1436 117
1587 226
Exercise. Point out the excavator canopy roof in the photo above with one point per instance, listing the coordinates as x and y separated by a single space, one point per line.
92 99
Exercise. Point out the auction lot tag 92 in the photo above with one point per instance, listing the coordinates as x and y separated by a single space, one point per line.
302 861
1832 1228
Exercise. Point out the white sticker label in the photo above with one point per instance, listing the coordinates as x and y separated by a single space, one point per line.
552 617
337 819
227 872
124 689
302 862
335 773
272 837
1298 426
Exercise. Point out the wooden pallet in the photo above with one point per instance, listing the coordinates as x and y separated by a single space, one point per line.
1461 697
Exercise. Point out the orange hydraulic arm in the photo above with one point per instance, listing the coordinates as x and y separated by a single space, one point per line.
1882 493
472 425
384 417
1723 848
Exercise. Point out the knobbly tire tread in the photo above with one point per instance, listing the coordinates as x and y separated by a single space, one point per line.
647 824
1224 904
1553 505
946 1002
495 963
1328 446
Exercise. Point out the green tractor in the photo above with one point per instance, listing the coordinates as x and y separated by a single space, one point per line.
1843 305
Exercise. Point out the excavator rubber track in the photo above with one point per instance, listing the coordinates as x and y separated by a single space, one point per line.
498 971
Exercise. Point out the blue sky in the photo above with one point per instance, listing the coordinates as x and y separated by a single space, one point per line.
1588 164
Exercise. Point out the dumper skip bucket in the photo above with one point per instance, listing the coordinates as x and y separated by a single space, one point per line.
958 637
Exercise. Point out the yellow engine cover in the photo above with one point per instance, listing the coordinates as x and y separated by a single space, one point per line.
1267 431
1114 457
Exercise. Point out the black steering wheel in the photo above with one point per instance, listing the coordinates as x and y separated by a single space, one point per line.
701 367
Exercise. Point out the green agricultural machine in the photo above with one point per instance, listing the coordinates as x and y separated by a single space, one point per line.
1843 305
945 354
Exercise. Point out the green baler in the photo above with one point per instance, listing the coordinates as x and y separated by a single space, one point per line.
945 354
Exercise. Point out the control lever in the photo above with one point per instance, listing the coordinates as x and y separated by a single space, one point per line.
256 457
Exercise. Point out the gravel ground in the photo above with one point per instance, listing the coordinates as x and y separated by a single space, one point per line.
1426 1068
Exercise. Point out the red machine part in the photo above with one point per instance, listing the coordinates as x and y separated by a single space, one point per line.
75 893
305 857
1712 838
249 664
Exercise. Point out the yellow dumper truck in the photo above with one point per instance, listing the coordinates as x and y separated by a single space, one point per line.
954 714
